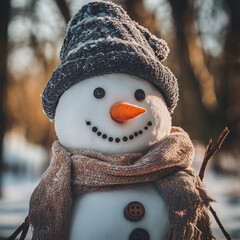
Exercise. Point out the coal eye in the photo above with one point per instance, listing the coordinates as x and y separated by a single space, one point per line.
99 93
139 95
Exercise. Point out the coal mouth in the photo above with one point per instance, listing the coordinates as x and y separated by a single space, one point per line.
130 137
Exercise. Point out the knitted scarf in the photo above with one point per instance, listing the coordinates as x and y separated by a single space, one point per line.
72 172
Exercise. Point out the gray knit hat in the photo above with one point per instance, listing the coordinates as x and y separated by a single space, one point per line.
102 39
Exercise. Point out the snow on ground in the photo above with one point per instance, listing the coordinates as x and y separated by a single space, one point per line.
225 189
20 154
27 161
17 189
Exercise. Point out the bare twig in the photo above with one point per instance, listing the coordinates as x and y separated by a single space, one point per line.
23 228
226 234
210 151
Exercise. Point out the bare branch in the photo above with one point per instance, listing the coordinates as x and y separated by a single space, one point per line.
210 151
23 228
226 234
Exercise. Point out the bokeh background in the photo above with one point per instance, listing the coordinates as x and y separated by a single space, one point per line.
204 38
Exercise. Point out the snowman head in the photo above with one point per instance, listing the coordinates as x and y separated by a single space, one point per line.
110 92
114 113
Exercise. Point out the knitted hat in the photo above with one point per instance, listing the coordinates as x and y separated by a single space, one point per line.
102 39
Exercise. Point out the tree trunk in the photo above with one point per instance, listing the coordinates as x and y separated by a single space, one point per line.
4 19
138 12
230 74
192 110
64 9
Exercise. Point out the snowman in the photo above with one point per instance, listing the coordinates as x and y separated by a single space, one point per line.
124 114
119 169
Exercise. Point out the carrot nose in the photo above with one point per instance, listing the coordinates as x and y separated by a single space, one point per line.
122 112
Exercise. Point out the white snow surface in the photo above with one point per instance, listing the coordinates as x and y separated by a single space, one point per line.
78 105
100 215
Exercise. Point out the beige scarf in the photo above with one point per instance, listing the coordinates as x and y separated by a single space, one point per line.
73 172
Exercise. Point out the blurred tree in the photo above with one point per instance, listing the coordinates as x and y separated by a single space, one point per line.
137 10
209 84
24 89
229 74
64 9
4 20
197 93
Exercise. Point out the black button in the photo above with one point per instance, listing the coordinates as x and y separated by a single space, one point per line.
139 234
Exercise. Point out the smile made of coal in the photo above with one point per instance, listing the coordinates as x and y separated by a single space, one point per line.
117 140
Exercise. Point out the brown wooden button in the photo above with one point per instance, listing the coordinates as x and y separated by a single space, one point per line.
139 234
134 211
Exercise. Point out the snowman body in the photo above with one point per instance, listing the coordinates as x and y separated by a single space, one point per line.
84 120
100 215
